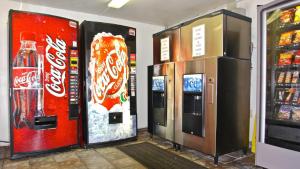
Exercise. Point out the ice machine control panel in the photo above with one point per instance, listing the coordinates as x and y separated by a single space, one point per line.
192 115
159 100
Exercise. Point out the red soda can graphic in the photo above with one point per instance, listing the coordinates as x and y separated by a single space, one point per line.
109 70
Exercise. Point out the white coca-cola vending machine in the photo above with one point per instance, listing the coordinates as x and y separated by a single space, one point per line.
44 83
109 92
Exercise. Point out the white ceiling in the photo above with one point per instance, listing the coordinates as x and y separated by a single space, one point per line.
159 12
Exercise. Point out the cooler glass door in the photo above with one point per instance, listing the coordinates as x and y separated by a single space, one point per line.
39 83
282 66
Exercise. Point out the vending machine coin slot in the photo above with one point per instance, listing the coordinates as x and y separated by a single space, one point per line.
192 117
159 100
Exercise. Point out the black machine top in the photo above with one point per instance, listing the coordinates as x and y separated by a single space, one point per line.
219 12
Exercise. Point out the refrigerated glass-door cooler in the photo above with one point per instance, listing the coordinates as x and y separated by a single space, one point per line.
279 101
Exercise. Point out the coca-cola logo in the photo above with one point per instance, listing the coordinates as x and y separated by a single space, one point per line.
110 72
26 79
55 55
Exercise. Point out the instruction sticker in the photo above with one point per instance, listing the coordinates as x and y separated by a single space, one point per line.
199 41
165 49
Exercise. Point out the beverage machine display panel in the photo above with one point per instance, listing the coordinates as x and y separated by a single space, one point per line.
158 83
192 117
193 83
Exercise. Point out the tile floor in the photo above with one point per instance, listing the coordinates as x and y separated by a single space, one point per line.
112 158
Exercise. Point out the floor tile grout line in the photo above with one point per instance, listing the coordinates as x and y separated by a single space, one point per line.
232 156
237 159
82 160
107 160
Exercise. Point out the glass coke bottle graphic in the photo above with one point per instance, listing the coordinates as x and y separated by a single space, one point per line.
27 82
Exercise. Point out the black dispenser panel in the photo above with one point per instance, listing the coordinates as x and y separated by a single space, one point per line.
115 118
45 122
159 100
192 116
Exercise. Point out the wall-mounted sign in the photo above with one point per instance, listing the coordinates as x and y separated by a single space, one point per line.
165 49
199 40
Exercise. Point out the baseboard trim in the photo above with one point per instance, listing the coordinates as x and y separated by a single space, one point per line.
142 129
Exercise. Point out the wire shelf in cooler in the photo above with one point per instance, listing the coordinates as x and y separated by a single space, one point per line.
290 123
288 85
288 27
286 103
290 47
282 67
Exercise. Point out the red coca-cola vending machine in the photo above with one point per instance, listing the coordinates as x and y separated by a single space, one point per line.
44 81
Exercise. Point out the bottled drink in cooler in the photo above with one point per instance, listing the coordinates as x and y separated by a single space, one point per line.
27 82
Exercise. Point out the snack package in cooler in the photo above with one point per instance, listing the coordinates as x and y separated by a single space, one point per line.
287 16
297 36
286 38
284 112
288 77
296 96
297 57
296 113
285 58
291 91
295 77
281 77
297 15
281 95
